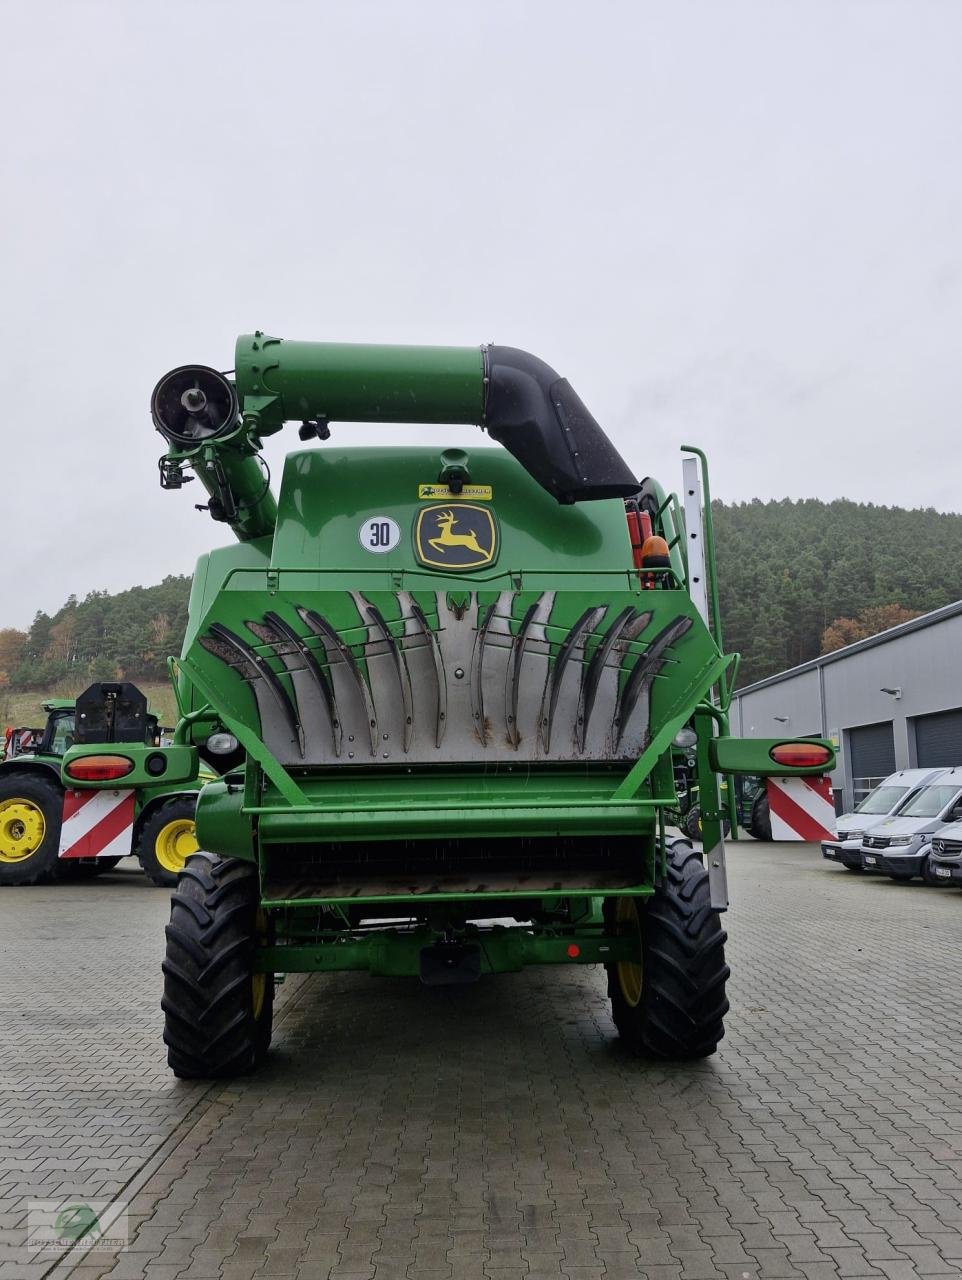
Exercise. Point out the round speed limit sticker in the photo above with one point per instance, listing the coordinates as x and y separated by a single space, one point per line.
379 534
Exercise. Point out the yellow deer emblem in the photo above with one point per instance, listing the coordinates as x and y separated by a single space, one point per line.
446 522
455 536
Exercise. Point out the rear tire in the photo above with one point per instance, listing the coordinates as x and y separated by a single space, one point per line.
761 825
692 823
673 1004
218 1011
31 812
167 840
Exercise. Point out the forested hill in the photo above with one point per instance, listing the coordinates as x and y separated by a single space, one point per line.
796 579
791 571
102 637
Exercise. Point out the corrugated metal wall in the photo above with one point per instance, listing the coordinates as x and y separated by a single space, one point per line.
845 693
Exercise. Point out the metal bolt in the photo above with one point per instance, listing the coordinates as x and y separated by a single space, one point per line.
459 673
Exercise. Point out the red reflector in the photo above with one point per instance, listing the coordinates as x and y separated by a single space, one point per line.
99 768
574 950
800 755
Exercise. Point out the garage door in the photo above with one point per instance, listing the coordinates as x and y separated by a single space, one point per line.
938 739
872 753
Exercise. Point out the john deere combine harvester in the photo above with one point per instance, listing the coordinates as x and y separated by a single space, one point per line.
453 683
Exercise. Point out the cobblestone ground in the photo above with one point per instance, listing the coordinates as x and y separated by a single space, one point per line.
500 1130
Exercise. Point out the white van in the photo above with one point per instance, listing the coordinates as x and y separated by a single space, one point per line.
899 845
945 860
887 798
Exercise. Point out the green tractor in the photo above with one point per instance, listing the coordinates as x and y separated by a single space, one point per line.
53 829
452 682
752 805
686 814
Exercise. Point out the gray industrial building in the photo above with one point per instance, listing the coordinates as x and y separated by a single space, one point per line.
891 702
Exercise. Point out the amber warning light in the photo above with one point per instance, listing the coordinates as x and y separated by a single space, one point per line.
99 768
800 755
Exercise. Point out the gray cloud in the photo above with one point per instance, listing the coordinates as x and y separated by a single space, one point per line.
738 225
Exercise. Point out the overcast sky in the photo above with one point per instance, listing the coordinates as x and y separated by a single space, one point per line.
732 224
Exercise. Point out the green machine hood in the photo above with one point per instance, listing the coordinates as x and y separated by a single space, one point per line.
547 649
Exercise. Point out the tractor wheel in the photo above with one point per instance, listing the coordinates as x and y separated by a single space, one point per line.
692 823
31 811
167 840
218 1011
672 1004
761 826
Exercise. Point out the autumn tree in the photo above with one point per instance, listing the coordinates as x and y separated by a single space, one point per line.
868 622
12 645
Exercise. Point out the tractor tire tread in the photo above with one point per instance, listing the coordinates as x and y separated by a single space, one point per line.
48 794
683 1006
210 1029
176 806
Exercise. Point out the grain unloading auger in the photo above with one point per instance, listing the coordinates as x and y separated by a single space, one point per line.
452 683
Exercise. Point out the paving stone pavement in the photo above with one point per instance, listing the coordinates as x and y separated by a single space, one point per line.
500 1131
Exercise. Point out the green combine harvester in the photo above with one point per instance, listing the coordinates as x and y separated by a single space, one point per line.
444 688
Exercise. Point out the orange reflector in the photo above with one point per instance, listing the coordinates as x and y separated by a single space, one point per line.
800 755
574 950
99 768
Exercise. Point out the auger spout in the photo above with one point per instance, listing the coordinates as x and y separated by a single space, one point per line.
215 426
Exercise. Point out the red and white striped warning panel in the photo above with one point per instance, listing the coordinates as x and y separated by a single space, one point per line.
97 824
801 808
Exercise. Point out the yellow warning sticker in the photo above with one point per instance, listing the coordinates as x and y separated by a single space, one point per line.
479 492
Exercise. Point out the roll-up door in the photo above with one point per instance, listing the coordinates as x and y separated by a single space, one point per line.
872 756
938 739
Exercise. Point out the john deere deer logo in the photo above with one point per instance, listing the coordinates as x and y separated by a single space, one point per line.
457 535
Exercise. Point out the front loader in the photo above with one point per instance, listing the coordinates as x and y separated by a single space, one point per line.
453 681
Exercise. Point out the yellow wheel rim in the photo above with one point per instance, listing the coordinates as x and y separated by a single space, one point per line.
259 980
22 829
175 842
630 974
